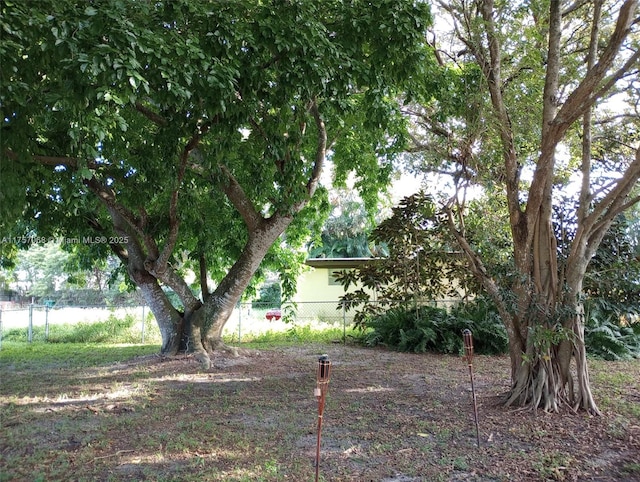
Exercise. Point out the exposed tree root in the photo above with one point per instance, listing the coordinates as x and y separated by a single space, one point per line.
539 386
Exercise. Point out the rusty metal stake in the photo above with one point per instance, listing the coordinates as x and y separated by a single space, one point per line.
322 386
468 353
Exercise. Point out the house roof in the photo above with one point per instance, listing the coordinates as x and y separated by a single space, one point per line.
343 263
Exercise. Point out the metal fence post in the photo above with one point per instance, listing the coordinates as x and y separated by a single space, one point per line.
30 330
143 323
46 322
239 322
344 324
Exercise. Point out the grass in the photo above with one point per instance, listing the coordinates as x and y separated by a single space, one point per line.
126 330
40 355
114 329
297 335
90 411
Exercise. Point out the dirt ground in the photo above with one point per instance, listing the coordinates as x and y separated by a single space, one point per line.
388 417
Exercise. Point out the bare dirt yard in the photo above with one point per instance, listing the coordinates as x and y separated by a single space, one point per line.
389 417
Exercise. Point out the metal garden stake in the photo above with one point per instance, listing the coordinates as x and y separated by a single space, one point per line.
322 386
468 353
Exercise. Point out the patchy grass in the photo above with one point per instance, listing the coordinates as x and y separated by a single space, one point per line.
44 356
112 412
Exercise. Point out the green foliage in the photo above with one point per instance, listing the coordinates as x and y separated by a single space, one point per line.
42 266
148 100
614 272
112 330
69 274
270 296
345 232
421 264
610 334
611 287
489 333
426 328
486 225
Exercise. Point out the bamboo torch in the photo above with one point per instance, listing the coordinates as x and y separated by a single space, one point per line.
468 353
322 386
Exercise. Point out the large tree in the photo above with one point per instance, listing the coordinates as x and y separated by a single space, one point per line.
193 132
534 102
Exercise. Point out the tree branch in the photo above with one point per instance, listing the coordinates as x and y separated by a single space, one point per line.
117 248
174 222
494 81
321 150
54 161
235 193
583 95
108 197
614 202
204 286
151 115
480 272
585 168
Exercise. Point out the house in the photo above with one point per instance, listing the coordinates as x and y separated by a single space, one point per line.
318 292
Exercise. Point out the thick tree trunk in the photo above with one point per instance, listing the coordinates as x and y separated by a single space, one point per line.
169 321
546 378
208 322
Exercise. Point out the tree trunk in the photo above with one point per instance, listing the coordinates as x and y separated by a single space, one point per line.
208 322
170 323
545 377
542 312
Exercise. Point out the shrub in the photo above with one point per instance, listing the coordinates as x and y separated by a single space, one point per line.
426 328
609 333
482 318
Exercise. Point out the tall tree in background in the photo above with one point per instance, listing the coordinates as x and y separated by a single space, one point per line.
346 232
194 132
530 88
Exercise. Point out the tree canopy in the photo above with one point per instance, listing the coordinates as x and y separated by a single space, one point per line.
192 133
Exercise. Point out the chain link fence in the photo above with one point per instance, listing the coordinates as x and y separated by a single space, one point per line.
250 319
34 322
254 318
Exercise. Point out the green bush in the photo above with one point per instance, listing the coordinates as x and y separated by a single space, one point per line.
610 334
426 328
270 297
401 329
482 318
